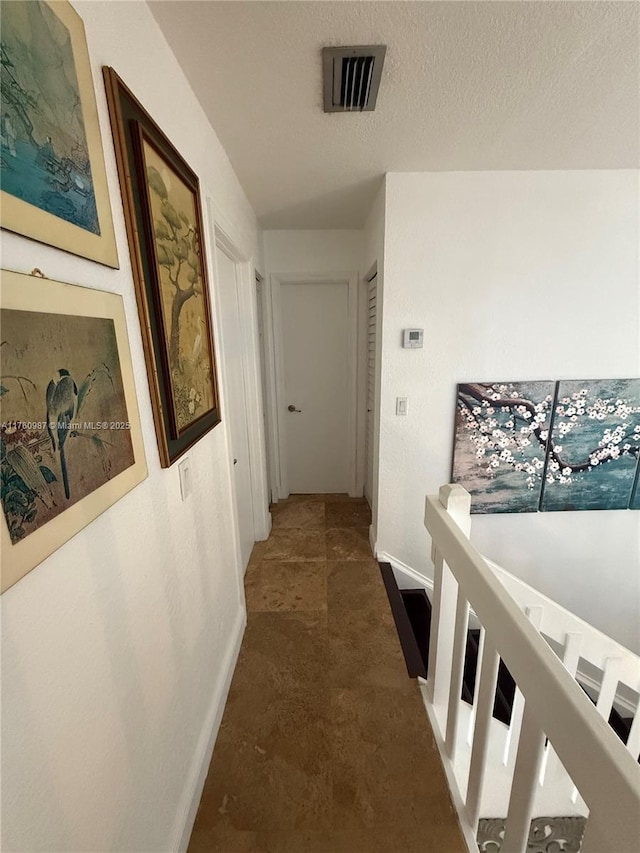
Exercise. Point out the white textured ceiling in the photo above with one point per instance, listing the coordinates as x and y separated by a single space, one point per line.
466 85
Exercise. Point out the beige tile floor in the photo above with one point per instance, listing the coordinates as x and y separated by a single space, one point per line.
324 745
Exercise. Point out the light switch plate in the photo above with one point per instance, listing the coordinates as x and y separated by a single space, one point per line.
184 470
401 405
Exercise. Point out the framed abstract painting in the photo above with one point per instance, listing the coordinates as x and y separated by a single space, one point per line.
70 437
52 173
164 225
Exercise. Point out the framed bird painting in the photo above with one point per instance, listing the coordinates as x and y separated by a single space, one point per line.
162 208
70 437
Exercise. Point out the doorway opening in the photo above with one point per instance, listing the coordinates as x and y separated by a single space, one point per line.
316 412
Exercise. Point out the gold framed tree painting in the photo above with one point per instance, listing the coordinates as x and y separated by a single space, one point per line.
52 172
164 225
70 437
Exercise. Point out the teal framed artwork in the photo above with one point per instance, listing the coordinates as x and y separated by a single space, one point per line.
549 446
593 449
52 172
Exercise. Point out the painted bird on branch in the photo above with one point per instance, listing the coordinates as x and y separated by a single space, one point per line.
62 399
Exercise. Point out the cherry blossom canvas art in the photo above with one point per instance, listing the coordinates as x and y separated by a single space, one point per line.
502 430
548 445
593 452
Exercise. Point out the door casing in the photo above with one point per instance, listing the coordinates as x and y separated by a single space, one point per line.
280 485
245 274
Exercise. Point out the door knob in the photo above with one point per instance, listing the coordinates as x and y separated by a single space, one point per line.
292 408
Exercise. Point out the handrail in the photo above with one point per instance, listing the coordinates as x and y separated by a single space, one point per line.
605 773
557 621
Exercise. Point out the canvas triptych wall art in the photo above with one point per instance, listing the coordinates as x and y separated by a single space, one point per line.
549 446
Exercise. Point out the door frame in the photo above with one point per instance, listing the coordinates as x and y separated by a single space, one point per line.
265 376
250 350
364 361
279 455
375 271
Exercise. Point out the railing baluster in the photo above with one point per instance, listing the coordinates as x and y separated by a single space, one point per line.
523 788
605 699
434 631
608 688
485 697
457 503
633 741
474 706
457 671
513 735
535 615
570 658
571 652
442 629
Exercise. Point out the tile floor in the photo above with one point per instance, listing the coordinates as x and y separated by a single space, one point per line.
324 746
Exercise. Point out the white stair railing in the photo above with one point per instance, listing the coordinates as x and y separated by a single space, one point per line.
580 640
553 705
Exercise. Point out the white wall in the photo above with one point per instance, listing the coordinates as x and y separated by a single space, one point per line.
312 252
513 275
116 650
373 234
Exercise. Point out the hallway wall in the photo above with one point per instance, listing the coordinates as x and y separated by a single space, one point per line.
117 650
512 275
314 252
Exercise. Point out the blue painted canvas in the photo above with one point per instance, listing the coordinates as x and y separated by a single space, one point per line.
502 429
44 151
593 452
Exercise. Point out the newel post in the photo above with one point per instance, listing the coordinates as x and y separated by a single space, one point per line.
457 501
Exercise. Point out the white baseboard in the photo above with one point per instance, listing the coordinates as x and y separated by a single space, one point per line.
202 757
269 525
420 579
372 540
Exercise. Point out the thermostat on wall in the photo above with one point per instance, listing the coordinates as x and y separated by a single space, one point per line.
412 338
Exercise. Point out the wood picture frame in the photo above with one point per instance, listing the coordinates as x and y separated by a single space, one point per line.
54 182
162 206
70 435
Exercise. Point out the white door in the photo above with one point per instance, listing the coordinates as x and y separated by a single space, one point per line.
235 411
371 386
315 330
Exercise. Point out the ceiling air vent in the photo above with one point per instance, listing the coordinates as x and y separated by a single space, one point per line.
352 77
